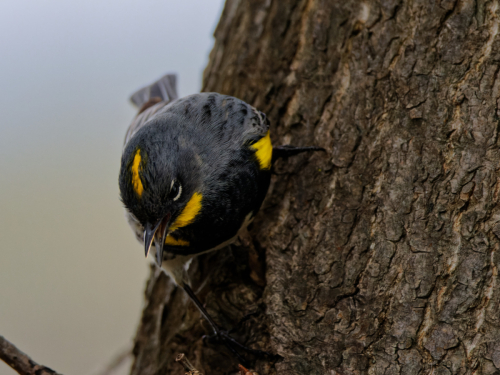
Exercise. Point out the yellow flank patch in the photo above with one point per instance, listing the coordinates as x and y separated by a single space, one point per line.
136 179
189 212
171 241
264 151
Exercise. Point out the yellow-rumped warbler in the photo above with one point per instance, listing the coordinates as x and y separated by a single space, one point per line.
194 172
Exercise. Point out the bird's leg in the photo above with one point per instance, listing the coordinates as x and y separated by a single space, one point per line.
220 334
287 150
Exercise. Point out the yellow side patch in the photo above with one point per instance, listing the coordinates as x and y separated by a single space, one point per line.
136 179
264 151
189 212
171 241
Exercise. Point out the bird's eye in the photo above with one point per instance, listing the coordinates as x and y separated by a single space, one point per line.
175 190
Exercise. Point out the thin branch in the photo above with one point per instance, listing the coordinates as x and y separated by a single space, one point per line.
182 359
20 362
245 371
116 362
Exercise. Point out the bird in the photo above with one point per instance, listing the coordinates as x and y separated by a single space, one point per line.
194 172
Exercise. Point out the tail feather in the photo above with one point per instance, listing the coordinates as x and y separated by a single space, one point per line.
164 88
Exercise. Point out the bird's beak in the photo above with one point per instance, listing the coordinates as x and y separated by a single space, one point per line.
149 233
158 232
160 235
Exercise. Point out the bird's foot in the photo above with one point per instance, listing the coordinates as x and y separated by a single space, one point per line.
222 337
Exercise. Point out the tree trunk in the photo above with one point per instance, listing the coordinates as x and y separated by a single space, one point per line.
380 256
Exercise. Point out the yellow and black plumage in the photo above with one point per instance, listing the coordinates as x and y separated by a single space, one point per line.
194 171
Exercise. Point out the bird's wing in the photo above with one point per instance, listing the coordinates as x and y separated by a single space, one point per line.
150 100
219 126
220 118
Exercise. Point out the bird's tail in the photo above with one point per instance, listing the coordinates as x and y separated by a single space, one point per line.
162 90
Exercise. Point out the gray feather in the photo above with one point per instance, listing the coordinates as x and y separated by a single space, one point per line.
219 119
164 88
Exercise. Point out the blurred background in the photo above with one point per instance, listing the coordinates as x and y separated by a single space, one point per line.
71 273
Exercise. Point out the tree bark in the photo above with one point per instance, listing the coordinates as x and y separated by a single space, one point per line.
380 256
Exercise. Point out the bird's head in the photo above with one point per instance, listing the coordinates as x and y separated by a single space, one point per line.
159 183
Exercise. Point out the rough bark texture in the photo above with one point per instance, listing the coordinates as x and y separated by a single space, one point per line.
380 256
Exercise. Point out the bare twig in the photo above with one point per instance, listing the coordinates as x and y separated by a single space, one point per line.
244 371
187 365
20 362
116 362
